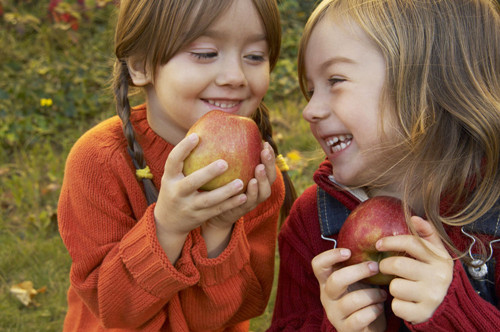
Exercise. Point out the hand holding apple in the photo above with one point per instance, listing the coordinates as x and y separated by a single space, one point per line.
372 220
234 138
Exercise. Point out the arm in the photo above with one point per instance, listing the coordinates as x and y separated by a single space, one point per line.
116 258
298 306
235 286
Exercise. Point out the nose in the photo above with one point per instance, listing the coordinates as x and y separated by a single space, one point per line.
231 73
316 109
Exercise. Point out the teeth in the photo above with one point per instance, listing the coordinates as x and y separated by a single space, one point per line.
345 141
340 138
222 104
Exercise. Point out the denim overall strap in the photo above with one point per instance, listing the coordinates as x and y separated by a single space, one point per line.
488 224
332 214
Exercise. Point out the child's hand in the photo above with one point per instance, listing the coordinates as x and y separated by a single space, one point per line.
423 279
349 304
258 189
181 207
217 230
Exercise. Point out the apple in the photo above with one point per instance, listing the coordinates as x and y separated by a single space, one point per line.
231 137
373 219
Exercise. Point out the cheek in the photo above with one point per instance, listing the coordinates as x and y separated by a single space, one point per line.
259 81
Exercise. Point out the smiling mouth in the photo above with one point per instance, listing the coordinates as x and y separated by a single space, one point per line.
222 104
339 143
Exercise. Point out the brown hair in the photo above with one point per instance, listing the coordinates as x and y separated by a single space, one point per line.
443 89
154 31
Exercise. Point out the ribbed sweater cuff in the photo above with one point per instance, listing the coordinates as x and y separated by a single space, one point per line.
149 265
228 263
461 310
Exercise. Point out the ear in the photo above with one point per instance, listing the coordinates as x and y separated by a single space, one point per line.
138 72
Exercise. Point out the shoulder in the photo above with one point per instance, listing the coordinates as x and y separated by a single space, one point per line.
306 204
105 134
97 151
302 228
103 138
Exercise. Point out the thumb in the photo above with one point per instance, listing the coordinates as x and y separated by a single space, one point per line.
179 153
427 231
323 265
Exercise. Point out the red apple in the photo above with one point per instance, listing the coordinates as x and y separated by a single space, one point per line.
370 221
234 138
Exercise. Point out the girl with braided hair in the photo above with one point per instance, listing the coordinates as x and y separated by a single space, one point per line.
150 251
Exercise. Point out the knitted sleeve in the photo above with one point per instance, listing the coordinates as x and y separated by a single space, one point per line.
298 306
119 270
236 285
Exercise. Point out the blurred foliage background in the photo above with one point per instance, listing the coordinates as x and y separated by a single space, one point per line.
55 67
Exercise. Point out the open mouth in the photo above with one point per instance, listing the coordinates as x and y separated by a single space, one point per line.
339 143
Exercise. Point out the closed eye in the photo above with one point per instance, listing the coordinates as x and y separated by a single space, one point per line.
335 80
255 58
204 55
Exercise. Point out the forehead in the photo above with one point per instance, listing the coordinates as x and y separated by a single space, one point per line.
241 16
339 39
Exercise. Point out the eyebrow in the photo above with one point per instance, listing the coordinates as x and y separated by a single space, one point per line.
335 60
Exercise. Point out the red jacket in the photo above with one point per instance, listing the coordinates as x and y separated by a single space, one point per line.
121 278
298 306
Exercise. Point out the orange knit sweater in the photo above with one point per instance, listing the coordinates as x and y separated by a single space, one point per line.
120 276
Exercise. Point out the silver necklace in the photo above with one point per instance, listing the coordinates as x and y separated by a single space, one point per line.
478 268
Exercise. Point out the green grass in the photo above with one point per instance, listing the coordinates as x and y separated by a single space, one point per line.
31 246
40 59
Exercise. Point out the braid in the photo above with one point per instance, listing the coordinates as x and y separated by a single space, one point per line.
123 109
261 117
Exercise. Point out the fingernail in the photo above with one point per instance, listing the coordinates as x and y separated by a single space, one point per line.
221 164
383 294
261 168
192 137
378 245
344 252
373 266
268 155
238 184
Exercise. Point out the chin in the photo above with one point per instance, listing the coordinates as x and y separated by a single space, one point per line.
350 180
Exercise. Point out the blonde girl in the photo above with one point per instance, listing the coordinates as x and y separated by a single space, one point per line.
404 99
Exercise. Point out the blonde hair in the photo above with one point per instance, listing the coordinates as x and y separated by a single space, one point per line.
154 31
443 85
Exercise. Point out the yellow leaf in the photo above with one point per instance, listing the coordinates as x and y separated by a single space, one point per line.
25 292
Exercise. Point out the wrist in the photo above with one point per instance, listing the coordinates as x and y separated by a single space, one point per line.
216 237
171 241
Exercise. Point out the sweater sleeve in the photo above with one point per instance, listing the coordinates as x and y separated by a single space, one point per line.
236 285
119 270
462 309
298 306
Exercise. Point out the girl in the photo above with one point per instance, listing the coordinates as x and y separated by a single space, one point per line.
404 99
176 259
